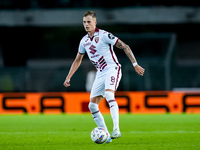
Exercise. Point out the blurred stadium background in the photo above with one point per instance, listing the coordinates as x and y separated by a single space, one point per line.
39 40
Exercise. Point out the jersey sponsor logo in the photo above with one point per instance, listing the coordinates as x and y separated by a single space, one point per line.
87 44
92 49
95 56
96 39
111 36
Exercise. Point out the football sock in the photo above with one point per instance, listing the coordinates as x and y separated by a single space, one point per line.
114 109
97 116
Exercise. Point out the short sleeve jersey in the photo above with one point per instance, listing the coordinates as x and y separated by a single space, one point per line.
100 49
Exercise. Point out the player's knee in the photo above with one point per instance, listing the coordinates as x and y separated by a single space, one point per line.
109 95
93 107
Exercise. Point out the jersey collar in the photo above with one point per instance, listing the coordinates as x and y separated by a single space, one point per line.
96 33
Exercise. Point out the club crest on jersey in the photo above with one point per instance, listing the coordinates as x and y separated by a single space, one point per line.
96 39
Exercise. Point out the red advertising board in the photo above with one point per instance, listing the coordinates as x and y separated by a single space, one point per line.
77 102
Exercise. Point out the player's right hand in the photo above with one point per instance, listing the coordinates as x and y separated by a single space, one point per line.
67 82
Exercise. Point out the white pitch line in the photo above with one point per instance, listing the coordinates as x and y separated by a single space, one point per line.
133 132
145 132
27 132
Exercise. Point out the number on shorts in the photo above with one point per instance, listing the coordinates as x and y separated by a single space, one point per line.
112 80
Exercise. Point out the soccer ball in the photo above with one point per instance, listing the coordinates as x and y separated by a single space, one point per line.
98 135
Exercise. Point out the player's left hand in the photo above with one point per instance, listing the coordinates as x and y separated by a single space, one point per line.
139 70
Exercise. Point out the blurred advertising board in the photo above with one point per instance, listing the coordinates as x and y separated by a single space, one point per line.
143 102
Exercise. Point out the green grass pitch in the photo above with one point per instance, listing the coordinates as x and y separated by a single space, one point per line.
72 132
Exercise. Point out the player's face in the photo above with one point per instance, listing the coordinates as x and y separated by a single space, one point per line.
89 23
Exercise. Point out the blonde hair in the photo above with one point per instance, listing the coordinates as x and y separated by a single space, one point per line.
90 13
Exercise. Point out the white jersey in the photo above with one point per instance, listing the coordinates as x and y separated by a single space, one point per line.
100 50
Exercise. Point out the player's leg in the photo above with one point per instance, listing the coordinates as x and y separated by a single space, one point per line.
97 116
94 109
112 82
114 110
95 98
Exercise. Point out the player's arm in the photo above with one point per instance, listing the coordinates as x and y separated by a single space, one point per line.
129 53
75 65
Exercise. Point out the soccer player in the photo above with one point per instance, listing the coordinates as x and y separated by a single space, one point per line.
99 47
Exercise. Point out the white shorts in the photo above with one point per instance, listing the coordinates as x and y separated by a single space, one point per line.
108 80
